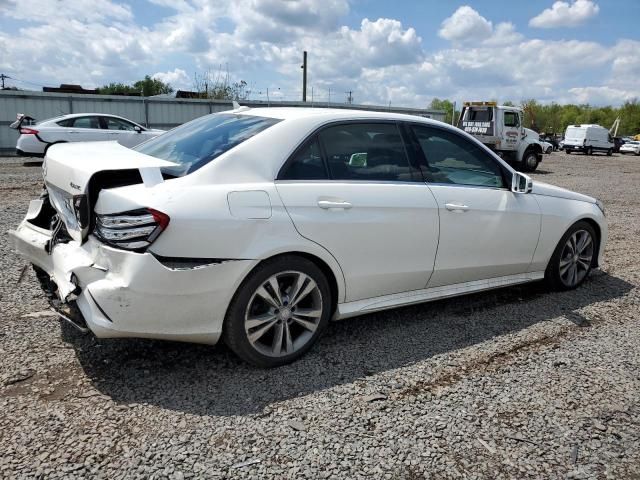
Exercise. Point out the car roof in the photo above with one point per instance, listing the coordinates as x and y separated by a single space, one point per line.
293 113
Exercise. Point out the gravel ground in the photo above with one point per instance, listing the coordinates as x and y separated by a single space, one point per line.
515 383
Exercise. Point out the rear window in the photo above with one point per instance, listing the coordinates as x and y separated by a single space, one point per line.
481 114
199 141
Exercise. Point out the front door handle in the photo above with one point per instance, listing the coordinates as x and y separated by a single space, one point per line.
326 204
456 207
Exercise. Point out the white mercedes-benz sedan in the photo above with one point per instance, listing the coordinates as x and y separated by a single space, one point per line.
259 226
36 137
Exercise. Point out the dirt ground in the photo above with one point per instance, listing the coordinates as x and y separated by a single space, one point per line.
513 383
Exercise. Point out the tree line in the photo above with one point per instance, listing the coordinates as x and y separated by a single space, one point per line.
554 118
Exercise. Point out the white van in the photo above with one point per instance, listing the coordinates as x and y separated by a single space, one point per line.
588 139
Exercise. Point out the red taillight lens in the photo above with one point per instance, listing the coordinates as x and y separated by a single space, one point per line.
28 131
134 230
162 219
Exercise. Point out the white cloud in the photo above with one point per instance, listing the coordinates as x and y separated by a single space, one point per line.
261 41
177 78
465 25
564 14
601 95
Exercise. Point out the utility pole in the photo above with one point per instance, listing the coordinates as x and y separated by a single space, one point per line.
304 76
349 97
2 77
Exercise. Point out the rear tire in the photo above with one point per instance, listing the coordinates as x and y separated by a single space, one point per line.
609 152
278 312
568 151
589 151
572 259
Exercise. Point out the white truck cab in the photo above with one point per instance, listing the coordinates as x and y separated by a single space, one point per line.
500 128
588 139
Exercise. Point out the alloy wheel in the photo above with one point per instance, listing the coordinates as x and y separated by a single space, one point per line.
283 314
576 257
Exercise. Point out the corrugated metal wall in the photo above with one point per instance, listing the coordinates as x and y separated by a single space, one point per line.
153 112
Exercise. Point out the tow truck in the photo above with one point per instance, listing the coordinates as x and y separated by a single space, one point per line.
500 128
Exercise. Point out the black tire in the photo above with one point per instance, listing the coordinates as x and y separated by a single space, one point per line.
530 161
568 151
235 335
589 151
552 275
609 152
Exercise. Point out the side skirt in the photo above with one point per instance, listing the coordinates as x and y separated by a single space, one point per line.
369 305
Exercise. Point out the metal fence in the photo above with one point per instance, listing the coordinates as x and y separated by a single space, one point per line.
152 112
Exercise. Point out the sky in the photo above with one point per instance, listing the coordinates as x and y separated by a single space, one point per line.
403 53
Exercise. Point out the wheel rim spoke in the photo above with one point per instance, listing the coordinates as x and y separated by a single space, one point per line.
586 241
276 345
308 288
564 266
305 323
258 334
288 342
259 320
297 287
267 297
308 312
273 281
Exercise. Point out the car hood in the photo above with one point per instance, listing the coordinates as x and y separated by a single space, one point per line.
541 188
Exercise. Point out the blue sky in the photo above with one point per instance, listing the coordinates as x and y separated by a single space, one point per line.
405 53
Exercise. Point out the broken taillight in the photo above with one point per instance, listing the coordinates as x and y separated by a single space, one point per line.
134 230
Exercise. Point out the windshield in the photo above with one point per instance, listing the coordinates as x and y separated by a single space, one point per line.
199 141
575 132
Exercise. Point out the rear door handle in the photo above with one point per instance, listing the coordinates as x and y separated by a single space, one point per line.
456 207
326 204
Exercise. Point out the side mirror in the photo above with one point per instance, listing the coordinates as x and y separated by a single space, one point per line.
524 133
137 129
521 183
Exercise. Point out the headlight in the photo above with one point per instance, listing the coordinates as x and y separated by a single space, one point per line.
601 207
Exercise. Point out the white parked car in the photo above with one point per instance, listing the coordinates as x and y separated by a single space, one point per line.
36 138
259 226
630 147
546 146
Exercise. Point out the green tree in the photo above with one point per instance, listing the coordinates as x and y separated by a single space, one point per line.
147 87
117 89
446 106
152 86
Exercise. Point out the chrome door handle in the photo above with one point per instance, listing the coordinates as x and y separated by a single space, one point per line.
326 204
456 207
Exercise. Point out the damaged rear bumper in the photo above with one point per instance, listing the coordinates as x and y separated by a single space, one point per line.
126 294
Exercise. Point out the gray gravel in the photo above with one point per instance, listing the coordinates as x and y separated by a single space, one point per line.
515 383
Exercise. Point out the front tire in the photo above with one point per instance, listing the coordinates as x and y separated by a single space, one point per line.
572 259
278 312
530 161
609 152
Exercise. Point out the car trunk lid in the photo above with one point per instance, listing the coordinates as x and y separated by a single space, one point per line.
74 174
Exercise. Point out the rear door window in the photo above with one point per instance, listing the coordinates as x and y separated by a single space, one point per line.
306 164
366 151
